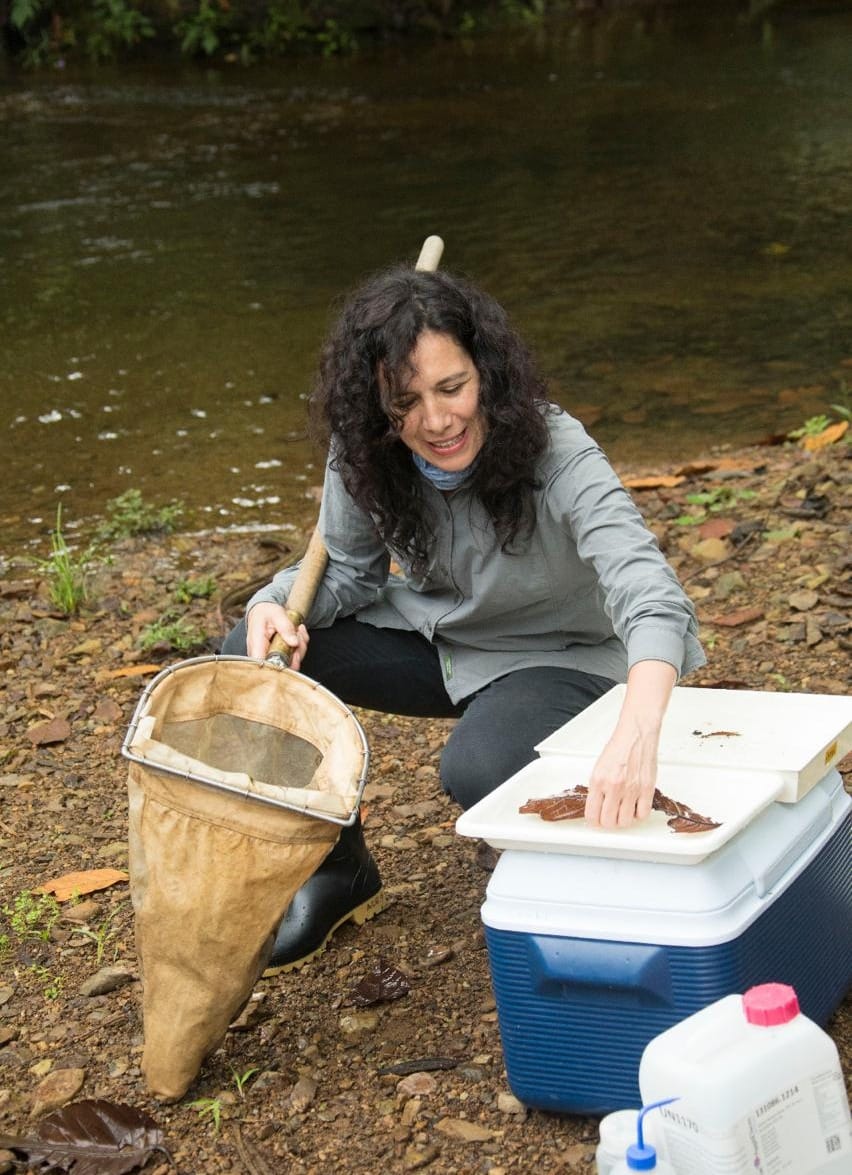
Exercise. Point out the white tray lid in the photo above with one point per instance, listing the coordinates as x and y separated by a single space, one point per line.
633 901
797 738
732 798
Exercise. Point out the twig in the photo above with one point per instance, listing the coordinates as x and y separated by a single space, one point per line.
254 1161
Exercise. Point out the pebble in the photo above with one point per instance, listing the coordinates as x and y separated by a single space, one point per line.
417 1085
57 1089
507 1103
464 1130
105 980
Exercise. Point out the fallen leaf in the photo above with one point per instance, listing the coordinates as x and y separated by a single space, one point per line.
92 1137
716 528
54 730
128 671
667 481
735 619
76 884
385 982
828 436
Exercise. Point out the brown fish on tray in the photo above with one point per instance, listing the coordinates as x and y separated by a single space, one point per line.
570 805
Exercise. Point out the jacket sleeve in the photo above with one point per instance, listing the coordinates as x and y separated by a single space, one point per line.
647 607
358 561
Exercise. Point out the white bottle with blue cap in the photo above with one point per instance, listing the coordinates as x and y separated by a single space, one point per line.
640 1156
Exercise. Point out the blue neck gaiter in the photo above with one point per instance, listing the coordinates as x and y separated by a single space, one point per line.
442 479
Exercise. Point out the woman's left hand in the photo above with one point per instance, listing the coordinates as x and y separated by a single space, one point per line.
621 786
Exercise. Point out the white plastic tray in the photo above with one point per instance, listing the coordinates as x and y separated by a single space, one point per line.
731 798
794 738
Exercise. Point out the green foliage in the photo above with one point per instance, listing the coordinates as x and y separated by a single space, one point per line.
712 502
129 515
240 1079
45 32
66 572
32 916
173 630
115 25
188 590
333 38
812 427
201 32
210 1108
52 984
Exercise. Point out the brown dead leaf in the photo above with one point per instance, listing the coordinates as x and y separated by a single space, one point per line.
828 436
716 528
663 481
54 730
735 619
128 671
86 881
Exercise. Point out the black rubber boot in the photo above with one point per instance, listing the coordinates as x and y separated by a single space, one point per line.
346 887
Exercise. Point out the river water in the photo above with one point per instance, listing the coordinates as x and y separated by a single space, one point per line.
662 201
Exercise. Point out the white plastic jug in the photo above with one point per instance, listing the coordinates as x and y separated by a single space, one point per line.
617 1131
761 1089
639 1154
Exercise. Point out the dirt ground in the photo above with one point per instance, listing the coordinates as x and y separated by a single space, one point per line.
309 1082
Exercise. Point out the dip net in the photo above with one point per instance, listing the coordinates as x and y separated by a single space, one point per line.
241 775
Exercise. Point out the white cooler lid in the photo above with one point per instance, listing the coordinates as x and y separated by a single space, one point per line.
732 798
794 738
629 900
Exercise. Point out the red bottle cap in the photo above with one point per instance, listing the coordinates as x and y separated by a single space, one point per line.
770 1003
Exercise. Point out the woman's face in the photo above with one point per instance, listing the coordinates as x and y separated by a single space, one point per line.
442 420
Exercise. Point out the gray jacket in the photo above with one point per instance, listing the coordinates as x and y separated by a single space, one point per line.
590 589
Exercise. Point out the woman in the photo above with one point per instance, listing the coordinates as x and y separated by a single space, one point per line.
529 586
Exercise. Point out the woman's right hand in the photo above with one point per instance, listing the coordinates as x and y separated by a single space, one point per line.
263 622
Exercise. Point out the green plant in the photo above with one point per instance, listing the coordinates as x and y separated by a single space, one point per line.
712 501
240 1079
210 1108
129 514
333 39
32 916
100 937
188 590
113 25
53 984
65 571
812 427
201 33
173 630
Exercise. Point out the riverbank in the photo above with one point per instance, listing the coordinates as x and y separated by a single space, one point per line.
306 1084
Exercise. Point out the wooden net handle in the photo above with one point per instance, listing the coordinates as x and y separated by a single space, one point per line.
315 559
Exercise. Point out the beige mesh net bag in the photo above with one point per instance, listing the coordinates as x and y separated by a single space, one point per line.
241 775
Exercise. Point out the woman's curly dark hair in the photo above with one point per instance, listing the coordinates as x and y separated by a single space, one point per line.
353 409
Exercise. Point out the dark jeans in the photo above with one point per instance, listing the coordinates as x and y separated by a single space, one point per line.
398 672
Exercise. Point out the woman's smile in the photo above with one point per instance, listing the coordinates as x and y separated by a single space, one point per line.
442 421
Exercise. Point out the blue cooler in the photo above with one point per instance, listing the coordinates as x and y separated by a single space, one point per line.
592 956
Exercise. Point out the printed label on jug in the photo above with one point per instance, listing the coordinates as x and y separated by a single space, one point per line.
799 1128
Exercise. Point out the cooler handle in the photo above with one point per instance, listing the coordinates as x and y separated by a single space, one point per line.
637 968
766 879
